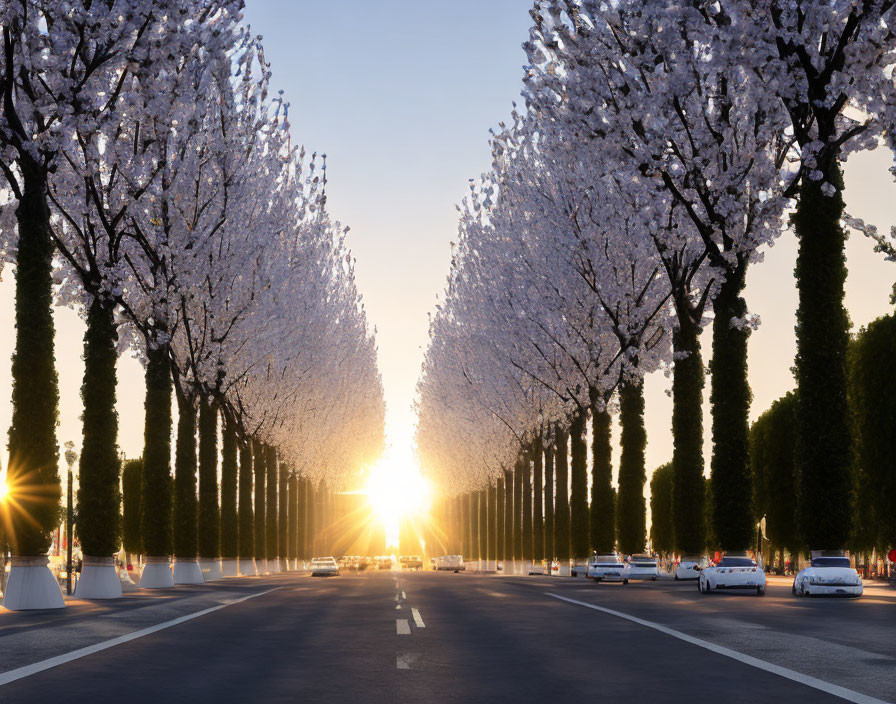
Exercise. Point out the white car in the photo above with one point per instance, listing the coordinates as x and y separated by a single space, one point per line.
829 576
687 568
450 563
734 572
324 567
605 568
640 567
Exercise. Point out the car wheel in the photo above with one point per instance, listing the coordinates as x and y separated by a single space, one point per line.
597 580
760 591
676 578
793 590
653 579
625 581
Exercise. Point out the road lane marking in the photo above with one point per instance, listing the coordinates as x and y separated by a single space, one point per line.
808 680
417 619
402 627
32 669
404 596
403 661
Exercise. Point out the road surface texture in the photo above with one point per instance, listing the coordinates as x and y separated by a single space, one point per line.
441 637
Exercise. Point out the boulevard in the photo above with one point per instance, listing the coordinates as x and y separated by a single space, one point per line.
389 636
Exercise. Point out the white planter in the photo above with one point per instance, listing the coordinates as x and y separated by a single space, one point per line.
564 570
210 568
247 566
527 567
31 585
156 573
187 571
275 565
230 567
262 566
99 579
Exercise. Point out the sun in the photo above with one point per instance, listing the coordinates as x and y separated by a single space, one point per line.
396 488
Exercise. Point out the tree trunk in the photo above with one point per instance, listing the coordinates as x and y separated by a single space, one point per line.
632 520
99 497
209 516
292 537
549 503
283 513
246 514
527 552
561 498
823 452
500 517
538 499
272 535
259 469
508 515
688 492
522 464
603 497
156 491
229 516
492 523
185 526
483 524
580 532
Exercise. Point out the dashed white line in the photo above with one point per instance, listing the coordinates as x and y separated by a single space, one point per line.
417 619
402 627
404 596
808 680
34 668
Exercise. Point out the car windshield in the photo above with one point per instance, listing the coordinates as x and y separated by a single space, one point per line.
831 562
736 562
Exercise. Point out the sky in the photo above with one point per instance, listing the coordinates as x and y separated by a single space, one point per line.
400 95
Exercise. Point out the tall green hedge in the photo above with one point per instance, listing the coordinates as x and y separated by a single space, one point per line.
272 533
99 497
492 522
33 453
131 486
579 521
561 497
508 515
209 515
302 520
528 550
538 499
687 439
292 520
500 497
549 502
603 496
230 527
283 510
186 537
662 529
631 517
732 510
246 512
259 468
483 524
519 470
156 506
823 449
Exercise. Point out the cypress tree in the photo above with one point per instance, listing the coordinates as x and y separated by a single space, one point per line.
259 470
246 514
580 530
687 436
302 520
661 528
561 497
527 552
272 535
99 497
464 514
156 494
518 470
492 522
292 552
229 516
283 512
209 516
549 502
538 505
508 515
131 484
824 456
483 524
603 496
730 396
32 473
186 538
500 546
872 389
632 519
472 518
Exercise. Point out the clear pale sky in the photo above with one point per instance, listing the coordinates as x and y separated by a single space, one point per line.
400 96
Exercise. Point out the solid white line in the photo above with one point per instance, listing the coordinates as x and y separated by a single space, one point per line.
404 596
808 680
417 619
402 627
34 668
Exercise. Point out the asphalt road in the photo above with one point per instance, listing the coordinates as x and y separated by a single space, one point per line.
424 637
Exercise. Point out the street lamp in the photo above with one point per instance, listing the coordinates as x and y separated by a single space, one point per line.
70 457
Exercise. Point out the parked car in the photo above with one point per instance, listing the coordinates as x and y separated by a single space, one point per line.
732 572
324 567
605 568
688 568
450 563
828 576
411 562
640 567
383 562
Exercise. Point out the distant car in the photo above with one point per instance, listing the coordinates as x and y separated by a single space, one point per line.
688 568
640 567
828 576
732 572
324 567
383 562
605 568
411 562
450 563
